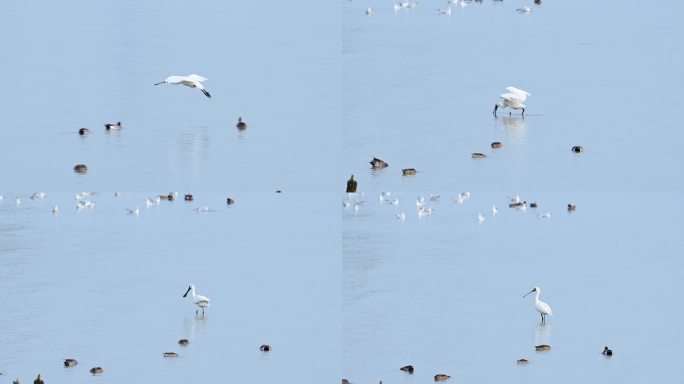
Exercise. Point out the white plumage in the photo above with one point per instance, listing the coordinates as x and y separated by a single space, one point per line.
199 300
541 307
513 99
192 81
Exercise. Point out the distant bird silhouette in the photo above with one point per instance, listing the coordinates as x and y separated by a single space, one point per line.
377 163
111 127
70 362
607 352
96 370
241 124
407 369
351 185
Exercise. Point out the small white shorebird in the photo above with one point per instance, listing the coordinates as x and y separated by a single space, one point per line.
200 301
192 81
513 99
539 305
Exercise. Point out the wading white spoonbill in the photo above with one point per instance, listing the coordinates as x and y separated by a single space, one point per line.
192 81
200 301
539 305
513 99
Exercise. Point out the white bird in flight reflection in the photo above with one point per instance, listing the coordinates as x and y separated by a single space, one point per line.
192 81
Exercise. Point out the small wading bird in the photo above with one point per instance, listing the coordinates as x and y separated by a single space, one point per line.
192 81
539 305
200 301
513 99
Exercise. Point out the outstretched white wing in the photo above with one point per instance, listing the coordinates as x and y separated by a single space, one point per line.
195 77
520 94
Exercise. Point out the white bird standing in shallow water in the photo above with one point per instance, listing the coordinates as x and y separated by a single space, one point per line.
200 301
513 99
539 305
192 81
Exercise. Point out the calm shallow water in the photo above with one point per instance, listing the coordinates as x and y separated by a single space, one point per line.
105 287
443 293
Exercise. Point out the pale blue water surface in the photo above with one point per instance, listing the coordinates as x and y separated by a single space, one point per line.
443 292
103 286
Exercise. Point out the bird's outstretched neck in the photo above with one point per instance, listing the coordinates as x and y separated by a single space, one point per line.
161 82
207 94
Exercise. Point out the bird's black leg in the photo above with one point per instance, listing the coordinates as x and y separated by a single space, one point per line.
523 113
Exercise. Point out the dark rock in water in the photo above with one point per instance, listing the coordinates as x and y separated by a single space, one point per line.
80 168
409 171
351 185
407 369
377 163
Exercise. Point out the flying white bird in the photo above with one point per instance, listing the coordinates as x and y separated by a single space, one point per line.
200 301
514 99
539 305
192 81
